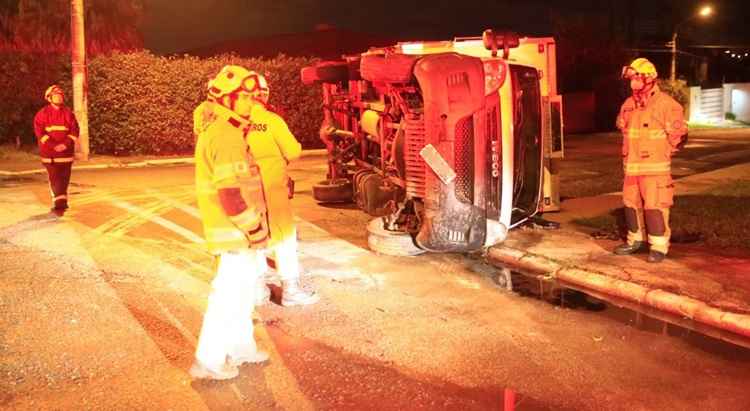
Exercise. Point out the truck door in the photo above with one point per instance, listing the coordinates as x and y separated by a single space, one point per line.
527 138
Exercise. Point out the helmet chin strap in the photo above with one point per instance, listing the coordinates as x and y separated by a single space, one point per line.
642 94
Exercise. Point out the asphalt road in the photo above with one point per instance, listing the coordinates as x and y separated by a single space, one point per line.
102 308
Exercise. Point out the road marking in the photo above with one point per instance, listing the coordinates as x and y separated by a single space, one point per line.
190 210
163 222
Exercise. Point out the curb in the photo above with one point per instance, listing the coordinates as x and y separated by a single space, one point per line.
140 164
737 325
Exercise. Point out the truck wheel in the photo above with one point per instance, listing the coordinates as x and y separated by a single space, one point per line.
333 191
393 68
387 242
325 72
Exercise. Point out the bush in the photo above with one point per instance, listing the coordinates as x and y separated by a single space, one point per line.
24 79
140 103
678 89
730 116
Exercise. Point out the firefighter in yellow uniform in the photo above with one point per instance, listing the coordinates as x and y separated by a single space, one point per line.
233 212
273 146
56 130
653 127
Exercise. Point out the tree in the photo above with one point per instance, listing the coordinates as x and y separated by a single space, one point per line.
44 25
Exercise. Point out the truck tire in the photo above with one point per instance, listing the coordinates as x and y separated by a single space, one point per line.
387 242
392 68
325 72
333 191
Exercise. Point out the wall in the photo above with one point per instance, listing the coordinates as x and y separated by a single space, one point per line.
737 100
578 112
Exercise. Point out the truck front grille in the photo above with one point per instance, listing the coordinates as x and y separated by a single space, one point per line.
464 156
415 166
494 165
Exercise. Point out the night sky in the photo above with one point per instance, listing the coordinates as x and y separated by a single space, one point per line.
173 26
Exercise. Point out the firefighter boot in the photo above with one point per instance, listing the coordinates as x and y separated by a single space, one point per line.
635 243
263 293
656 256
657 225
224 372
627 249
292 294
253 357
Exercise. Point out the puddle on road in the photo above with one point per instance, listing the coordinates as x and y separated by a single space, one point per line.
528 286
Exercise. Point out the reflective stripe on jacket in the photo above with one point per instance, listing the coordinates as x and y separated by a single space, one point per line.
55 126
222 160
651 133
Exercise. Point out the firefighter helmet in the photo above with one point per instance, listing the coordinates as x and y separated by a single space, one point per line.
236 78
258 87
639 67
53 89
229 80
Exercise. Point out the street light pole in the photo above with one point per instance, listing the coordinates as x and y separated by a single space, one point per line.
705 11
673 69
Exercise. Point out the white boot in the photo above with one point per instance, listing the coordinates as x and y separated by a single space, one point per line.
262 293
253 357
292 294
224 372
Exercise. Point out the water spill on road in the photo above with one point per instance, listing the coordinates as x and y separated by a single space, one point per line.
642 318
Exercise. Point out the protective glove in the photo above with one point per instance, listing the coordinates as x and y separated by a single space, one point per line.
290 187
259 236
683 142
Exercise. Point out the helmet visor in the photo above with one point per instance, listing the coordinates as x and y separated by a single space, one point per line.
253 83
628 72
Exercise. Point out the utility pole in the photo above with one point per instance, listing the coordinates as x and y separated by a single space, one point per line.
673 67
80 82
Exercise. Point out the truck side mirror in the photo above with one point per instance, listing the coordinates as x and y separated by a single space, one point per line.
502 39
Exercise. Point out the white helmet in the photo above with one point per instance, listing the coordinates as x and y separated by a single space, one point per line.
53 89
259 87
236 78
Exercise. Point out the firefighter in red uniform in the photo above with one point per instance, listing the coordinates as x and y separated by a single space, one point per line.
653 127
56 130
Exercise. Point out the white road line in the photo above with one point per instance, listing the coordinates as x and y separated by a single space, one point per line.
190 210
177 324
177 229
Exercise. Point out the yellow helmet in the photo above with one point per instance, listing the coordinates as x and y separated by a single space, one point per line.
53 89
639 66
236 78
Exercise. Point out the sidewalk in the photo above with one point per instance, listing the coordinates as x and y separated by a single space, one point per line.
699 288
24 163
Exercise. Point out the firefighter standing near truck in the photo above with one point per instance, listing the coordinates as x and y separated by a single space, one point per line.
653 127
233 211
274 146
56 130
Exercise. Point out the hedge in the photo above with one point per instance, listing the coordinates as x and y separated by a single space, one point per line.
140 103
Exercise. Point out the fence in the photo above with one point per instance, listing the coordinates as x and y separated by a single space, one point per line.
712 105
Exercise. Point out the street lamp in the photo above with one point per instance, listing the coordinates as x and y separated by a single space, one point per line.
704 12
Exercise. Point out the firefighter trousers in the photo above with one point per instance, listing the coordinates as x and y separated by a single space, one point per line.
59 179
228 324
647 200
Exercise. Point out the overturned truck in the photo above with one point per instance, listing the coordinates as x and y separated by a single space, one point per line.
448 143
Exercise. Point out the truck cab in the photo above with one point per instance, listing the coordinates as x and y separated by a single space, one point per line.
448 143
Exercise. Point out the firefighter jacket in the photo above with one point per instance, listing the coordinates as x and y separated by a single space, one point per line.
222 160
651 130
273 146
52 127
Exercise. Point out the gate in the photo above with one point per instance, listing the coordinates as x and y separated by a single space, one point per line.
712 104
